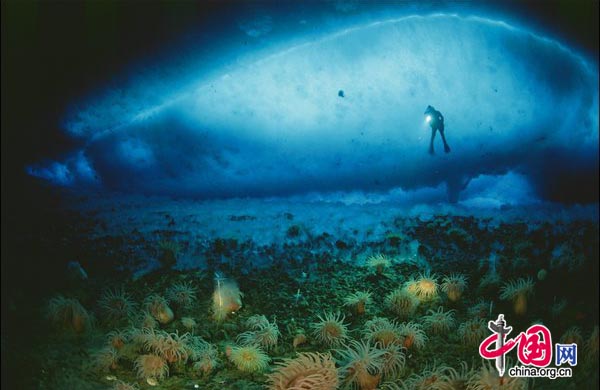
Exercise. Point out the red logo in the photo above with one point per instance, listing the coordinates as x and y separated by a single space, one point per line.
534 345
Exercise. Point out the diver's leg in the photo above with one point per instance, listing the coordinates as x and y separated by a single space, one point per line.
431 141
446 147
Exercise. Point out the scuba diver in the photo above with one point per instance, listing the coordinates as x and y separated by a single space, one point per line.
436 121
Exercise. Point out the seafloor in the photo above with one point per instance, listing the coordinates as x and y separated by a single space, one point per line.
122 293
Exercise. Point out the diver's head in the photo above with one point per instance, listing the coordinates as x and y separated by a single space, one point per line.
428 110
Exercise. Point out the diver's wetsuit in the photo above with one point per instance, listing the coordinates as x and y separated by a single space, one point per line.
436 123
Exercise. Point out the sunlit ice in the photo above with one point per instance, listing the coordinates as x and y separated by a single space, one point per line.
273 122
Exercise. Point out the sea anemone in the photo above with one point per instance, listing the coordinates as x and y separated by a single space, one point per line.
379 262
454 285
117 338
382 332
182 294
169 251
227 297
159 308
473 331
146 320
151 366
361 364
196 346
249 358
138 336
439 321
402 302
170 346
106 359
566 255
460 379
120 385
330 330
480 310
299 339
203 354
393 361
412 335
358 301
436 377
207 362
490 279
517 291
116 305
265 333
591 345
256 321
315 371
487 378
424 287
69 314
572 335
189 323
557 308
542 274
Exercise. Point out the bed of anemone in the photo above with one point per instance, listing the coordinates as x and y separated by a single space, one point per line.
352 328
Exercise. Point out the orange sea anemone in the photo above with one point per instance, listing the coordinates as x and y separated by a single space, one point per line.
299 339
402 302
480 310
393 361
207 363
120 385
146 320
379 262
361 364
330 330
460 379
454 285
572 335
382 332
315 371
170 346
203 354
159 308
591 346
106 359
439 321
487 378
424 287
151 366
473 331
518 291
358 301
264 334
436 377
413 336
117 338
189 323
249 358
69 314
